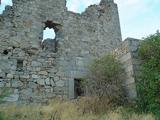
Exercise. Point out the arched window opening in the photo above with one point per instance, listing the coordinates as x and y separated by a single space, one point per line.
49 33
49 41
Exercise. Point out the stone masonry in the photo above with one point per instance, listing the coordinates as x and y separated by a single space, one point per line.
38 71
127 54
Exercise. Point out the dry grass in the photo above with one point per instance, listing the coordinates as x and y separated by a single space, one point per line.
67 110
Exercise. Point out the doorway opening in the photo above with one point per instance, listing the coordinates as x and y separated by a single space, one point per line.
78 88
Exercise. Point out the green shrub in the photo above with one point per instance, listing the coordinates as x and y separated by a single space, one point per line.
148 84
104 80
1 117
3 93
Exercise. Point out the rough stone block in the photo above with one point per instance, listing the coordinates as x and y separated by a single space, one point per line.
24 76
43 73
41 81
16 83
11 98
60 83
36 64
35 76
47 81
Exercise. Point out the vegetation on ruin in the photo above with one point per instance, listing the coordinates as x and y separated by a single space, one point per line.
148 82
85 108
3 93
58 109
104 80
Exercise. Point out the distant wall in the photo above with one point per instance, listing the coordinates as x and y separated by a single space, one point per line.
127 54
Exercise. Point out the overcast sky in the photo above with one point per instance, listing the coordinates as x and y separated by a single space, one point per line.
138 18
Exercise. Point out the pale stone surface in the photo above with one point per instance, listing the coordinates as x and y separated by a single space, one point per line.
24 76
35 76
16 83
125 53
60 83
10 76
47 81
43 73
11 98
41 82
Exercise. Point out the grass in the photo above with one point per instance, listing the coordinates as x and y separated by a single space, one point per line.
83 109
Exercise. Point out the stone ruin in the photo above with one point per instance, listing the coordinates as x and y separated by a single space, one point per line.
37 71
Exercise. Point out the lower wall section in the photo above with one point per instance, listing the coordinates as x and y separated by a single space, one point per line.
31 75
35 75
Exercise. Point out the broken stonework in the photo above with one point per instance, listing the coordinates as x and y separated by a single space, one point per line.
40 70
127 53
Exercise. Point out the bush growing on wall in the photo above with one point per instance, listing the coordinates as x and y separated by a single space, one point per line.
148 84
105 80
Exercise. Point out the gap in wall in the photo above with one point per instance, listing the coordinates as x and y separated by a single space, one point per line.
48 33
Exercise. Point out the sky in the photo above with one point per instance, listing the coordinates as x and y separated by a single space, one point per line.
49 33
138 18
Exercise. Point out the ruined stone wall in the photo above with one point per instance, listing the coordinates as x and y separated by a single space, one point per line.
91 34
33 70
127 54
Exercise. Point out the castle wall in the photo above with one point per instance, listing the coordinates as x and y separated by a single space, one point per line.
32 69
127 54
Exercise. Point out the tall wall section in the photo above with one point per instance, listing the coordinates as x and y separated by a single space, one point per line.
37 71
127 54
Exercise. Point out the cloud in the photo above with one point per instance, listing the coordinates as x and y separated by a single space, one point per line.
49 33
132 2
4 3
79 6
139 17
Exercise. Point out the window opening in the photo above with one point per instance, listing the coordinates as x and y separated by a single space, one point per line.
19 65
48 33
49 41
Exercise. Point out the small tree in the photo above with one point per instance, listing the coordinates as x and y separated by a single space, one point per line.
105 79
148 84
